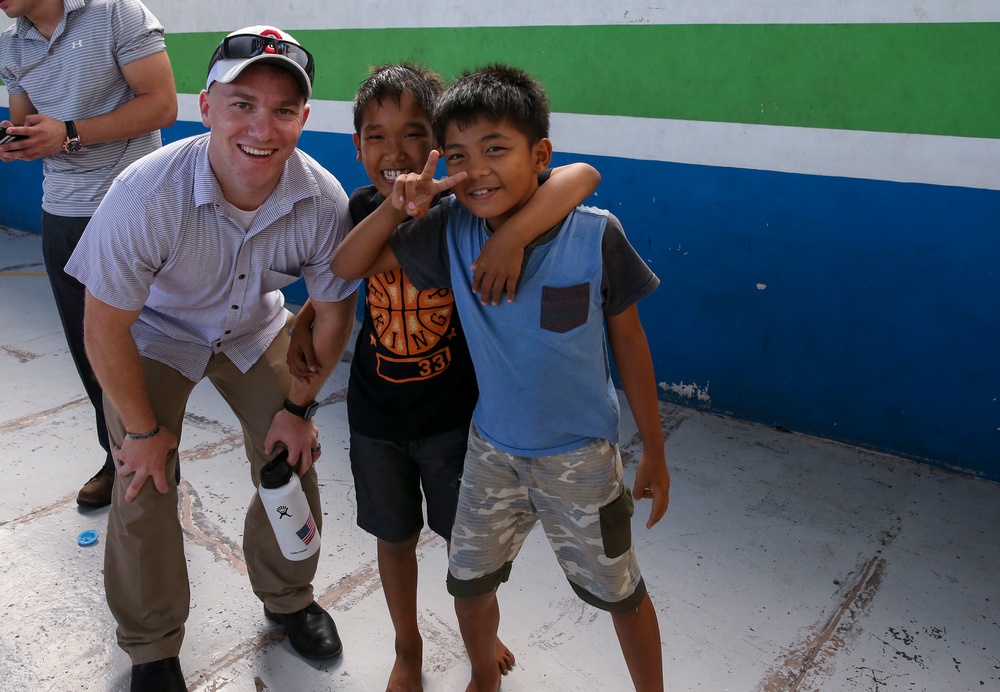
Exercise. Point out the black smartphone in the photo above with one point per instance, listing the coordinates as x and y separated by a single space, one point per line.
4 137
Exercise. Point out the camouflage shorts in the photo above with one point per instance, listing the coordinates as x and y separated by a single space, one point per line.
583 504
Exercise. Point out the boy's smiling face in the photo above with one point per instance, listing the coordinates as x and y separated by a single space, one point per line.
501 164
395 138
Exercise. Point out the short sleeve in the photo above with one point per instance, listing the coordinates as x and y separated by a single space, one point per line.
627 278
116 258
137 33
7 39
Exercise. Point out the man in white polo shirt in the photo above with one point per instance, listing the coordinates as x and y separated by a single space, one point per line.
183 262
90 85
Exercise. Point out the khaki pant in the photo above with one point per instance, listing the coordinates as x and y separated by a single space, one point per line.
145 571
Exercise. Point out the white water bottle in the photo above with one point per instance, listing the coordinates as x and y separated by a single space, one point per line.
287 509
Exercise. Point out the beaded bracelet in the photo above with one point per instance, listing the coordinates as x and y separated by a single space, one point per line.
143 436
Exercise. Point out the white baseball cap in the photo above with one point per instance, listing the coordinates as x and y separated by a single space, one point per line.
261 44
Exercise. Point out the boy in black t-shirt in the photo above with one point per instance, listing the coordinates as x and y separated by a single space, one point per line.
412 387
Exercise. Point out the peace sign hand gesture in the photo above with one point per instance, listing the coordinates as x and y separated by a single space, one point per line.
414 193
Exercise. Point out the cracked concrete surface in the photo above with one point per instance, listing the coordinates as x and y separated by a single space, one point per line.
784 562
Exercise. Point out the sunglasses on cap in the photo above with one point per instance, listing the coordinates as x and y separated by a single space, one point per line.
250 46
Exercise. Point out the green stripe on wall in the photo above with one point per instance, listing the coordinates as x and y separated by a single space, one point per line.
941 79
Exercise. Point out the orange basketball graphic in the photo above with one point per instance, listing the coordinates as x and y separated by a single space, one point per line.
412 327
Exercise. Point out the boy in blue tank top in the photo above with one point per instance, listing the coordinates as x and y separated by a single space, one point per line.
412 387
543 444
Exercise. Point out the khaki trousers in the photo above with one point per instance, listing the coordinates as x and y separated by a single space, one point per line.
145 571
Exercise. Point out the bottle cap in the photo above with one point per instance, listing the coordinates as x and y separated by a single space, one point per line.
87 538
276 473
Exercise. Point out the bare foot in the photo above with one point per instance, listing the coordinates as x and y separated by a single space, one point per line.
473 687
406 675
505 658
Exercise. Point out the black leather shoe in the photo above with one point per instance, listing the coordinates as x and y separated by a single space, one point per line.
158 676
311 631
97 491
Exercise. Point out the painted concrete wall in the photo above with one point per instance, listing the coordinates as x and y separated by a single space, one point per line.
816 184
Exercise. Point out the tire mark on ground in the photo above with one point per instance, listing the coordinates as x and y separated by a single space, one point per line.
833 634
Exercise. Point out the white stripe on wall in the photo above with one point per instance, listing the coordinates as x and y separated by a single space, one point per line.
932 159
378 14
908 158
229 15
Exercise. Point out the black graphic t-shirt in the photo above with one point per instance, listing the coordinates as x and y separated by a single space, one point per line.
411 375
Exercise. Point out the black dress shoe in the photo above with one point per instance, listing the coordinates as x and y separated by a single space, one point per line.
311 631
158 676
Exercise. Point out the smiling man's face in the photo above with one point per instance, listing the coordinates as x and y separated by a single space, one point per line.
255 121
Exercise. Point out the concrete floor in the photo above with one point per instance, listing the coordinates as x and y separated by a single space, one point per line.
784 562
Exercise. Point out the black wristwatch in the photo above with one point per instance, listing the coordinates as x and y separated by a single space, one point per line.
72 143
306 412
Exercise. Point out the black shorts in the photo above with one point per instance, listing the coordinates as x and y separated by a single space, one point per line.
388 477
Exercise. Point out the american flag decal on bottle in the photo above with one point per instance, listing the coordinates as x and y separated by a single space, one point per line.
308 531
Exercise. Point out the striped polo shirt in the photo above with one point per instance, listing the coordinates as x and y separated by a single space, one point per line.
77 75
165 241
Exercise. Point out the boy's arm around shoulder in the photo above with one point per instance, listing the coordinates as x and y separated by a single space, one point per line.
498 266
634 362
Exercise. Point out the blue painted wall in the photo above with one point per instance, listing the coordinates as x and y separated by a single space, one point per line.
853 310
878 324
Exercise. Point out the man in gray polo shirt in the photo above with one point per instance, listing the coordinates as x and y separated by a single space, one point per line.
183 262
90 85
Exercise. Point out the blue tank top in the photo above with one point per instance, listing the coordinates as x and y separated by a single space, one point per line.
541 361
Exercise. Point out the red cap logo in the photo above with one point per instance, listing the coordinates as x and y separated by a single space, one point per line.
271 33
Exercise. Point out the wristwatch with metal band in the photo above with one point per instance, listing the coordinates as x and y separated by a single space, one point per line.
72 143
306 412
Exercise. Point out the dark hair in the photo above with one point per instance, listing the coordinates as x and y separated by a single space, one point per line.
392 81
497 92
